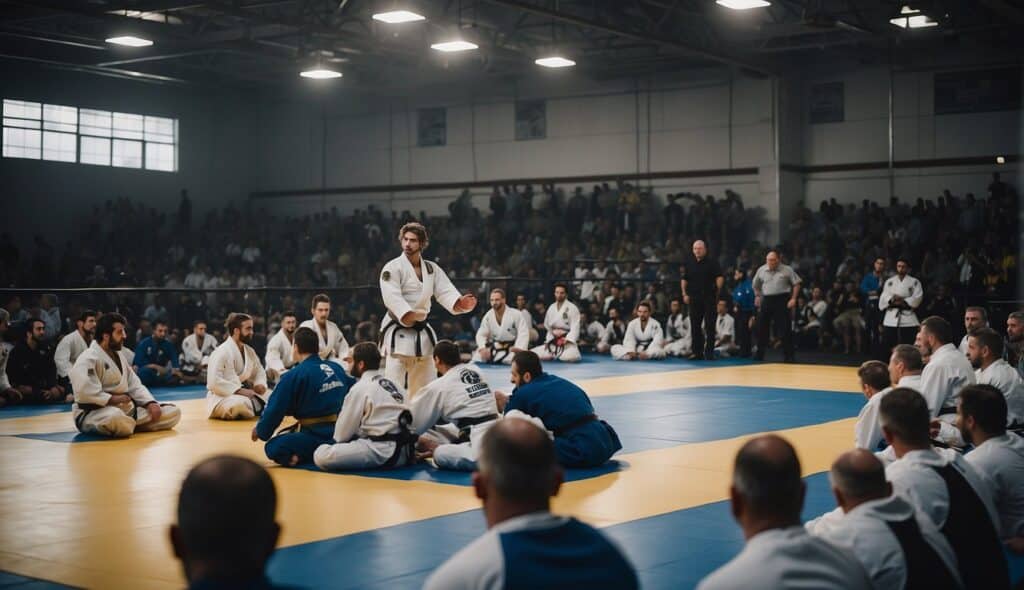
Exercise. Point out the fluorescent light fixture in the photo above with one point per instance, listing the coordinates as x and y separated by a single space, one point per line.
743 4
158 17
910 18
130 41
320 74
1000 160
394 17
453 46
555 61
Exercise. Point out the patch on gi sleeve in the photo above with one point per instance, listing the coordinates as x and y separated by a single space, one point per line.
386 276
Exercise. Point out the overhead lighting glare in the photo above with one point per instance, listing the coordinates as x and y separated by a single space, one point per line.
1000 160
555 61
320 74
130 41
911 18
743 4
158 17
394 17
453 46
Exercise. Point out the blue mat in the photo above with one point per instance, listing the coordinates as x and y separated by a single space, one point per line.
9 581
163 394
426 472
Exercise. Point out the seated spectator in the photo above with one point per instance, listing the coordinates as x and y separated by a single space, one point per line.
849 323
614 332
898 545
8 395
1015 341
31 370
975 318
526 545
156 312
813 316
72 345
196 350
874 383
946 373
156 360
725 331
767 496
581 439
985 351
997 456
50 314
226 531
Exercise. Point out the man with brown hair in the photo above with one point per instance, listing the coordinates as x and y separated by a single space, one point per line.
333 346
235 378
875 383
407 284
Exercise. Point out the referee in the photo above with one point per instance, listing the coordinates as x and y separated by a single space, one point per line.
701 285
775 289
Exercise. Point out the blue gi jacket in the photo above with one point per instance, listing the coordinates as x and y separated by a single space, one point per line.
310 389
743 295
151 352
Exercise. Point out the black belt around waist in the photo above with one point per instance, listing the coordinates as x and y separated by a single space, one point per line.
405 439
394 326
465 425
575 424
947 410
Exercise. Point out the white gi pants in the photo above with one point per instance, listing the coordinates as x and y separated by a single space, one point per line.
681 347
361 453
237 407
457 456
112 421
619 352
570 353
410 372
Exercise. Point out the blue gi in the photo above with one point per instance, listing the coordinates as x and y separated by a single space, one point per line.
312 389
150 351
581 440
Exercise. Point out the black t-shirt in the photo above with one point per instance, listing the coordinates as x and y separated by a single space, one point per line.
700 277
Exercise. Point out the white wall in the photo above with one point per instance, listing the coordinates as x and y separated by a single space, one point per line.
918 134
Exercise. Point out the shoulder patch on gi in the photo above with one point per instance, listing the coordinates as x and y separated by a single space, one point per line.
430 267
469 377
385 276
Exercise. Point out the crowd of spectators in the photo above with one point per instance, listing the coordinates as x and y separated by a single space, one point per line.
616 245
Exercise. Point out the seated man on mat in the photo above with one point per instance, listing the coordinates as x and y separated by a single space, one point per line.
374 427
644 339
31 370
110 400
279 349
72 345
562 322
527 546
503 332
678 341
196 350
333 346
235 379
581 439
462 399
312 391
156 360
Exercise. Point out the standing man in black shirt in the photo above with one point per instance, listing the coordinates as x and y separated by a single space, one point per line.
701 285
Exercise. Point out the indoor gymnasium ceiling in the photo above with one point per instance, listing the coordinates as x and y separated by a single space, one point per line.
268 42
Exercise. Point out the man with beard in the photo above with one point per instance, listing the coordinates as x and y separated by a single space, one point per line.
196 349
110 399
407 285
279 349
8 394
503 332
901 295
1015 341
235 379
946 373
985 351
975 318
156 360
677 331
997 455
614 332
333 345
72 346
562 322
31 369
643 339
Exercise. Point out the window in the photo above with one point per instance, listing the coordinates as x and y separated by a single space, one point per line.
88 136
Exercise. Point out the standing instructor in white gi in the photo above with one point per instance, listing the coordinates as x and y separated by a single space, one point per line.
406 284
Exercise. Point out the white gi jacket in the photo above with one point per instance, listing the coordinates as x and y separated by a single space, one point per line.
333 345
911 291
193 355
565 319
403 292
789 558
513 330
1000 461
867 432
946 373
5 351
725 325
95 377
1005 378
677 327
371 408
461 393
650 337
279 352
68 350
229 369
864 532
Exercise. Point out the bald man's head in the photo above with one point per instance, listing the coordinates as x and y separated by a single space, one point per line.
226 523
859 477
517 462
700 249
767 476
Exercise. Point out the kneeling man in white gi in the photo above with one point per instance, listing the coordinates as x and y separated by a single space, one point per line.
374 428
562 321
235 379
333 346
110 400
503 332
461 398
678 341
644 339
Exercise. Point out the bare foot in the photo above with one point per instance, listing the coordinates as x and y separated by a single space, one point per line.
294 461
